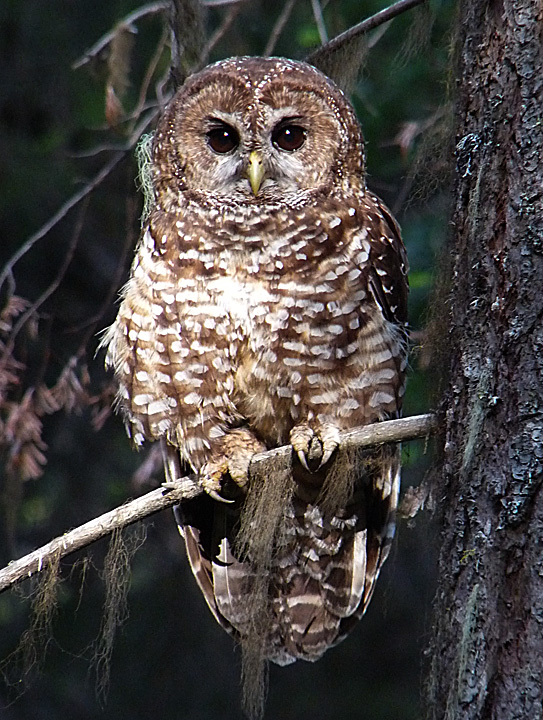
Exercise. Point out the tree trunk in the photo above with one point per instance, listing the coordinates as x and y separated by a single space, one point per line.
487 646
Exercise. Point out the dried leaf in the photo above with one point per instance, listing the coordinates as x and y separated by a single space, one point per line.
99 417
29 461
120 53
118 80
405 138
70 392
10 371
45 401
114 109
103 404
22 439
13 307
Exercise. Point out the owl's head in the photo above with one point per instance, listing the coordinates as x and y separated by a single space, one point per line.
253 130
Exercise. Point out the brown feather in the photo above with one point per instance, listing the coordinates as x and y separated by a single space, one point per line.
262 314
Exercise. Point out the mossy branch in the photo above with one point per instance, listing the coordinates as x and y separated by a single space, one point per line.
392 431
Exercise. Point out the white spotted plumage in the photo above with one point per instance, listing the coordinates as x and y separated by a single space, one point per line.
257 318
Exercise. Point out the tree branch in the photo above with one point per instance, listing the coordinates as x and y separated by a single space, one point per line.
58 216
278 27
418 426
365 26
128 20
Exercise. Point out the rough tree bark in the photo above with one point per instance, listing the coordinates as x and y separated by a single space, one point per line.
487 647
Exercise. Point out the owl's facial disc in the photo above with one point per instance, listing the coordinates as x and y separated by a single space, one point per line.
257 131
256 155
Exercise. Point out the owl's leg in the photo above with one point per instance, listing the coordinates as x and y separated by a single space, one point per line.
232 457
314 445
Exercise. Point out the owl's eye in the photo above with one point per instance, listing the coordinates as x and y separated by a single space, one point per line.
222 139
288 137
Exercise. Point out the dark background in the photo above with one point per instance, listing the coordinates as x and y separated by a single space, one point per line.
170 659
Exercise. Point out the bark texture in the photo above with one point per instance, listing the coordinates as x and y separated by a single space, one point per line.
487 647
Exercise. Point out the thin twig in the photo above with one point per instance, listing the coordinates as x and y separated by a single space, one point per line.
151 68
410 428
278 27
58 216
104 41
95 529
319 21
108 299
221 31
33 309
218 3
365 26
7 272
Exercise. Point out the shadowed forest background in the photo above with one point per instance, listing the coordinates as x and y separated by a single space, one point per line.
65 457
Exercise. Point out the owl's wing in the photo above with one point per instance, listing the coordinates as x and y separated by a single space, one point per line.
208 529
219 576
354 570
389 266
389 285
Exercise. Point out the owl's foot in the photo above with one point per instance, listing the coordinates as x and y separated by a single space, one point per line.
232 461
314 447
211 476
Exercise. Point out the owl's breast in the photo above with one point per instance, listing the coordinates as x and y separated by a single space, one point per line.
254 310
245 301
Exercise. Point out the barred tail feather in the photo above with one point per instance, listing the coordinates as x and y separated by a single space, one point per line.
301 588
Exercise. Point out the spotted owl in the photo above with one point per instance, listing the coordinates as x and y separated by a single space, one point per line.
266 306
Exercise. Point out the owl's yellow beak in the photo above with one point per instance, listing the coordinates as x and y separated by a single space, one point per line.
255 171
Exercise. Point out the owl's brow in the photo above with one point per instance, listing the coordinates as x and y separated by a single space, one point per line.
290 119
222 117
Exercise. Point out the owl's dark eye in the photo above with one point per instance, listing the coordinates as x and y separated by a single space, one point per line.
222 139
288 137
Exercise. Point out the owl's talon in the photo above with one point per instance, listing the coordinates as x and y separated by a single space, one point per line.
327 455
233 463
314 448
303 461
211 476
211 485
215 495
329 437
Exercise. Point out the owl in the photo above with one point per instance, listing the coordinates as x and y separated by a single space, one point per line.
266 306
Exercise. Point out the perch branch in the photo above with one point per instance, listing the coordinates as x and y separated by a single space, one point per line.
418 426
